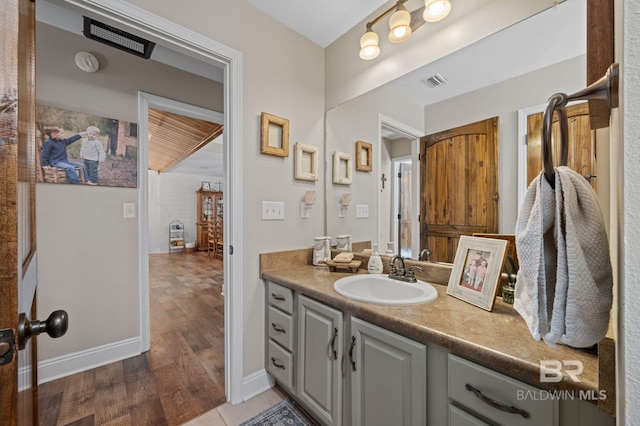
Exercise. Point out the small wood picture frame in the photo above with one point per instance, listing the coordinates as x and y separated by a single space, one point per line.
364 156
342 168
306 164
274 135
476 270
206 186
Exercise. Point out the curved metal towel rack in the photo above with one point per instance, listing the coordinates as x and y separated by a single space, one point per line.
605 89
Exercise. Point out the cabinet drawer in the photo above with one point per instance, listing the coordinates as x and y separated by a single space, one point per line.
464 376
458 417
281 327
280 297
280 364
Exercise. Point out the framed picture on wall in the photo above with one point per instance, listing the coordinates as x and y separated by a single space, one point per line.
95 151
364 156
206 186
306 163
274 135
342 168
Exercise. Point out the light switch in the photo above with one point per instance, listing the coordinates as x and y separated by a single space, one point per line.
129 210
362 211
273 210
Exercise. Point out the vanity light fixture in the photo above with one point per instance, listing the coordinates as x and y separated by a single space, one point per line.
400 25
436 10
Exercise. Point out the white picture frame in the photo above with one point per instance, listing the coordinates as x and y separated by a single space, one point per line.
342 168
466 281
306 162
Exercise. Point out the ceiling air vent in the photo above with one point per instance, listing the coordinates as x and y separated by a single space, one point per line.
117 38
435 80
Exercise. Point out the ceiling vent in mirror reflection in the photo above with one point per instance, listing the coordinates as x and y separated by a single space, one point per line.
435 80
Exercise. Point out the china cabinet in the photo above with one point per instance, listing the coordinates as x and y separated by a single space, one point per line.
210 208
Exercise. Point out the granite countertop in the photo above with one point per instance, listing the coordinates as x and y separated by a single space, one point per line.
499 339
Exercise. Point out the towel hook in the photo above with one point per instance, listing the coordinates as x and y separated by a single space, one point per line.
605 89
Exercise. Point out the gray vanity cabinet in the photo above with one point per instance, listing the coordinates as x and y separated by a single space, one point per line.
388 377
480 396
320 350
280 321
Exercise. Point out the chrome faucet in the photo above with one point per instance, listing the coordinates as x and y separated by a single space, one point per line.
402 274
425 254
394 272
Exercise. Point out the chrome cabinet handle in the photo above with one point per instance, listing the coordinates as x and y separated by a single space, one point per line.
353 344
277 328
275 362
278 297
333 343
496 404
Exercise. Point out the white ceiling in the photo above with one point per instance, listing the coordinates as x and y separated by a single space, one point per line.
322 22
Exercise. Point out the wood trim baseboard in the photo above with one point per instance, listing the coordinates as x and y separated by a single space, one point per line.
66 365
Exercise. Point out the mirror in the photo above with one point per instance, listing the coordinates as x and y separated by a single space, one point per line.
515 69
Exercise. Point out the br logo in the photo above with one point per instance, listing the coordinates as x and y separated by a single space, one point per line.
553 370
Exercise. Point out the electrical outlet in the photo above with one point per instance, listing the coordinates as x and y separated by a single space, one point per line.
304 210
273 210
362 211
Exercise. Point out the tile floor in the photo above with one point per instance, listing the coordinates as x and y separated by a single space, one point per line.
233 415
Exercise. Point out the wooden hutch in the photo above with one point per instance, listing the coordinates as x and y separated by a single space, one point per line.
210 207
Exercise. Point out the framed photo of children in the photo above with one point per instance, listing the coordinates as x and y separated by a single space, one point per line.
476 270
82 149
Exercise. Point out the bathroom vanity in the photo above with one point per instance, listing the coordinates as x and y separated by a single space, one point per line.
445 362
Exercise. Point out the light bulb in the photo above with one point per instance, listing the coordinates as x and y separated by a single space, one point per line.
369 46
400 26
435 10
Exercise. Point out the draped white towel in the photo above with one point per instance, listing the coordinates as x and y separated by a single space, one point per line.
564 289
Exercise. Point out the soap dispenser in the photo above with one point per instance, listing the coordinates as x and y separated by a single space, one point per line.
375 262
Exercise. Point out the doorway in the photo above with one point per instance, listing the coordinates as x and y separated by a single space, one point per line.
229 61
398 142
402 189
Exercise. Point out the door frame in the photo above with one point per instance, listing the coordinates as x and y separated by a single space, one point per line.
209 51
415 135
522 148
146 101
395 201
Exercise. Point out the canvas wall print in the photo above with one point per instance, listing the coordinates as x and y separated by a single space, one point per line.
82 149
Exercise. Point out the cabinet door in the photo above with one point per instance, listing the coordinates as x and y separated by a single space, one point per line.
388 377
319 355
458 417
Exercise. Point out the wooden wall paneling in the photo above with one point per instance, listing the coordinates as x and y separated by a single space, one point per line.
600 53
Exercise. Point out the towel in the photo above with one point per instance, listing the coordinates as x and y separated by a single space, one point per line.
564 289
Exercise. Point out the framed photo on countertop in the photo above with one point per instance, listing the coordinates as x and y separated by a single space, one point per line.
476 270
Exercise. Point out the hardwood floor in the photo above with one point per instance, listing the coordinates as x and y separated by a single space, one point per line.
179 379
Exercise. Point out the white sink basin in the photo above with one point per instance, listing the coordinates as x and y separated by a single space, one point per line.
382 290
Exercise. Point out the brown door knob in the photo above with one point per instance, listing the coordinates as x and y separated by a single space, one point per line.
55 326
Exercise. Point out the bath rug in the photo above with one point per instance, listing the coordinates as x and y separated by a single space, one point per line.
281 414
